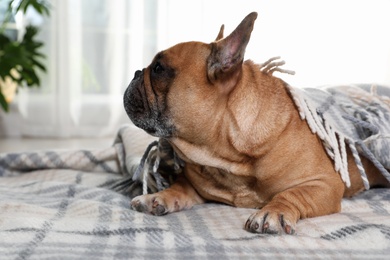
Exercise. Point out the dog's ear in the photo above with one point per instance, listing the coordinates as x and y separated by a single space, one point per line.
220 34
227 54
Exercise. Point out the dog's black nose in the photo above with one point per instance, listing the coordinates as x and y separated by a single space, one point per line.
137 74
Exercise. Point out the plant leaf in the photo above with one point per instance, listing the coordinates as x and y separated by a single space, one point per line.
3 102
41 6
23 57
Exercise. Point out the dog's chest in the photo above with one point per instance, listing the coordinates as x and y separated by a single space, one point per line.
221 186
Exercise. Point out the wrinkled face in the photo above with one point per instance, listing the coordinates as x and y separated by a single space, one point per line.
164 98
183 91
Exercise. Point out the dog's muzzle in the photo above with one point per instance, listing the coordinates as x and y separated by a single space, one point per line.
133 99
143 114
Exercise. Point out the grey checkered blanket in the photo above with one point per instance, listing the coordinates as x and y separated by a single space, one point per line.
357 116
66 205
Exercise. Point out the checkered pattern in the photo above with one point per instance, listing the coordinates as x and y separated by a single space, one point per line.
352 116
60 205
65 214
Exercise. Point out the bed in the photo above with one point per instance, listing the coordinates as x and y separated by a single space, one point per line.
60 205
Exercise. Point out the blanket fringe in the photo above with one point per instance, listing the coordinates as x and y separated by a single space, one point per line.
271 65
158 167
359 165
334 142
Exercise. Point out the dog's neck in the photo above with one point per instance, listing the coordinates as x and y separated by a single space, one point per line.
261 109
257 112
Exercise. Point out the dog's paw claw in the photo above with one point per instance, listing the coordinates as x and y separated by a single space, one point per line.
269 223
289 230
149 204
138 206
158 209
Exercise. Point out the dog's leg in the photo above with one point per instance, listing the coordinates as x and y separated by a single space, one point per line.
181 195
281 214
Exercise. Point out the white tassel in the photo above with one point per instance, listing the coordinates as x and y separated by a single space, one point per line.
145 179
333 143
359 165
344 161
335 147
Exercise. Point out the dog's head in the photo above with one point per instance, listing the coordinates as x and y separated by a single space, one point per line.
183 90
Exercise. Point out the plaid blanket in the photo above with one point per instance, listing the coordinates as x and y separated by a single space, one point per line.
350 115
64 205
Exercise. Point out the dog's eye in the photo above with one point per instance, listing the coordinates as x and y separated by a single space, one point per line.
158 68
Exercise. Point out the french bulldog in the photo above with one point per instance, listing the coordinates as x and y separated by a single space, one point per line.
240 135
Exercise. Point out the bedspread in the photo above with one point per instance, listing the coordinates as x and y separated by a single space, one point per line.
60 205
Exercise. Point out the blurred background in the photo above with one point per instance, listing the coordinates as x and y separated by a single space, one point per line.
93 47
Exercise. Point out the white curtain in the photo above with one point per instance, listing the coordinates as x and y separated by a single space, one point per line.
93 48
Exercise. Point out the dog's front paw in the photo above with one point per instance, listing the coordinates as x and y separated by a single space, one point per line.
151 203
270 222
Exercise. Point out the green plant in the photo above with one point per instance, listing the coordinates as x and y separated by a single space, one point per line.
20 60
